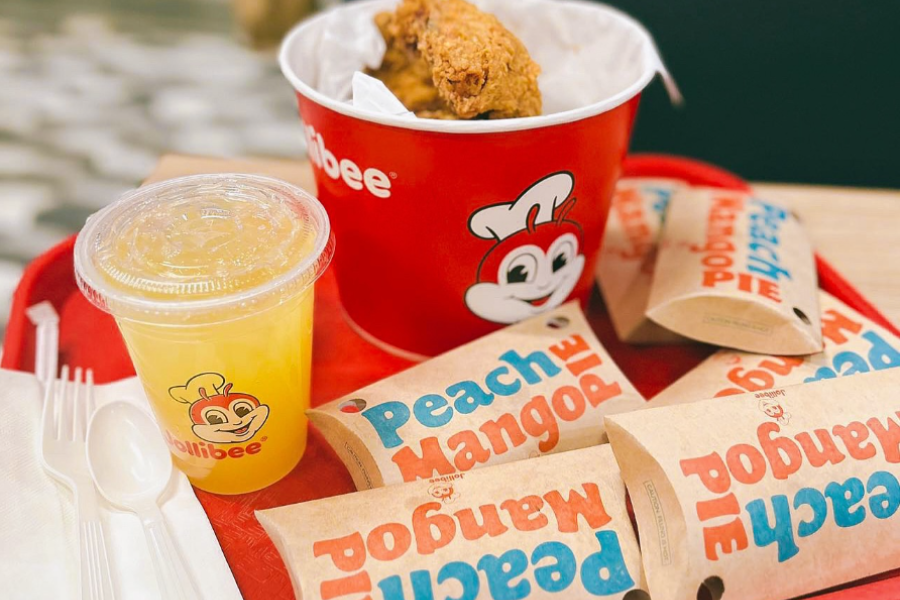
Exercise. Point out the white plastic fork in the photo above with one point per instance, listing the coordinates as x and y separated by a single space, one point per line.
68 406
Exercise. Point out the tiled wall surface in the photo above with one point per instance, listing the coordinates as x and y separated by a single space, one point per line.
92 92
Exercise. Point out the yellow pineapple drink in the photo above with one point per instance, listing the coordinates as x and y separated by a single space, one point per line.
210 279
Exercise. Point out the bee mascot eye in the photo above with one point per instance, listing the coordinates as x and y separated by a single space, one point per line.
559 262
215 416
517 274
242 407
521 266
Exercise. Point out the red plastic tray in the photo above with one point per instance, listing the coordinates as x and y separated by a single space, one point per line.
344 362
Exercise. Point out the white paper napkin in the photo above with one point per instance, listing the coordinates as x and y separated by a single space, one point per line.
38 539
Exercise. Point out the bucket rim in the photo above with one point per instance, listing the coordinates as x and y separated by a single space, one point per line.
652 65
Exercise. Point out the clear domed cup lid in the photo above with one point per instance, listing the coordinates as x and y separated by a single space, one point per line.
203 248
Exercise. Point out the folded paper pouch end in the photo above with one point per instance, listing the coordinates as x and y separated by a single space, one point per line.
736 323
349 447
660 520
647 332
272 524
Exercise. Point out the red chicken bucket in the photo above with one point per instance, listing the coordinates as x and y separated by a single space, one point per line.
447 230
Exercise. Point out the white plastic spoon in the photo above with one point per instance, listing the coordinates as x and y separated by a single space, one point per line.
131 467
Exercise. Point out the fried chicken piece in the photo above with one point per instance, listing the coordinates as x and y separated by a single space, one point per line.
447 59
405 72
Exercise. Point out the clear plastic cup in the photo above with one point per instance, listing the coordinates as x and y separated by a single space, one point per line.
210 279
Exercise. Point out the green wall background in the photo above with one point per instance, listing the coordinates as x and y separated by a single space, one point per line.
797 91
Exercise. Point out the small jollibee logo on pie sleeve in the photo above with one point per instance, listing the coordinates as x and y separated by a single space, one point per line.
443 491
772 408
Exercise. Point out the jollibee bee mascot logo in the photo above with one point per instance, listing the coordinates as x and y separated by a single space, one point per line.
775 411
536 260
220 415
443 491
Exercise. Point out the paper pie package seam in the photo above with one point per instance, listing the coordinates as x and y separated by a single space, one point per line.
627 258
766 505
853 344
737 271
542 385
548 528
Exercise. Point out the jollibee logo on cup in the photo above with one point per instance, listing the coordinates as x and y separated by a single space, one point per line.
373 180
219 416
537 259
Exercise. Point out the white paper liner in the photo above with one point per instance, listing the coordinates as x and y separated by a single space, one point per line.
371 94
592 57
